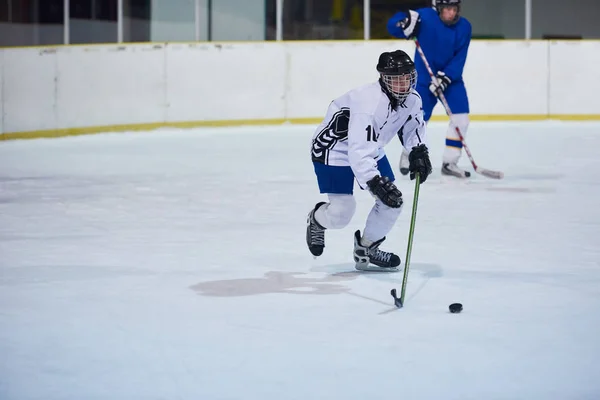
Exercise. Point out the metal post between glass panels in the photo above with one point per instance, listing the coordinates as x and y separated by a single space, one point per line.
367 19
279 20
120 21
209 21
197 20
528 19
66 22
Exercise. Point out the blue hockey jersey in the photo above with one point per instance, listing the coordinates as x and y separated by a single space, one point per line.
445 46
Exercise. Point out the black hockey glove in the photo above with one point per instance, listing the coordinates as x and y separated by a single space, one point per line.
419 162
386 191
411 24
442 84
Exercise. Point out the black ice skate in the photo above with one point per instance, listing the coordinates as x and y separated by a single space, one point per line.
382 261
454 170
315 233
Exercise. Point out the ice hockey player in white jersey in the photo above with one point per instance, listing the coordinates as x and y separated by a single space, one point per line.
348 146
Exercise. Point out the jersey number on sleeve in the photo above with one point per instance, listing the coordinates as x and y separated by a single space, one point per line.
371 135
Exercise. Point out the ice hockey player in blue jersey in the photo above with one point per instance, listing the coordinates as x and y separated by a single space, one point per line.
444 36
348 147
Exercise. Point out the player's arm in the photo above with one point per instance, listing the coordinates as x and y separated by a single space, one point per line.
413 136
362 153
404 25
362 147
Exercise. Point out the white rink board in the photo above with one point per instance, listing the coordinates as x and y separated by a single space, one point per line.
574 81
320 73
30 88
127 85
65 87
507 78
222 82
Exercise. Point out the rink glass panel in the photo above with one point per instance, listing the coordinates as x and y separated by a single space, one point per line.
93 21
159 21
52 22
31 22
555 19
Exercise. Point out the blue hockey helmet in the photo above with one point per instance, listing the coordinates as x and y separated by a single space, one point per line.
439 5
398 73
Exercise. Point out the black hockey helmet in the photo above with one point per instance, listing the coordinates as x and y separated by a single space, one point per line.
438 5
398 73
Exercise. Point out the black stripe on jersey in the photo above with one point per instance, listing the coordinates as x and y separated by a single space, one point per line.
335 131
401 135
387 117
401 131
417 130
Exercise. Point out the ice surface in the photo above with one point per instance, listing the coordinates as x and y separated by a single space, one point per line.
172 265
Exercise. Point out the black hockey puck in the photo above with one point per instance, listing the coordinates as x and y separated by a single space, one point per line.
455 308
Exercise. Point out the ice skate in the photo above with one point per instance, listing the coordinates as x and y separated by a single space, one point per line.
372 259
404 163
315 233
451 169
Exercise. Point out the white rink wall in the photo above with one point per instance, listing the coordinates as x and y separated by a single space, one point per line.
51 91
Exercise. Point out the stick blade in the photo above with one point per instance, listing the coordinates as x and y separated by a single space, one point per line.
397 301
374 268
490 174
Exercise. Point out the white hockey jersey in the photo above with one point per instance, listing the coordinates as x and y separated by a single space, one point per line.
360 123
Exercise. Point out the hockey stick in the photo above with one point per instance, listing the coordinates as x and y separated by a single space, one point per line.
479 170
399 302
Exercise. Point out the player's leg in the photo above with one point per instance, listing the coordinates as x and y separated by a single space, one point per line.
338 184
379 223
456 95
429 101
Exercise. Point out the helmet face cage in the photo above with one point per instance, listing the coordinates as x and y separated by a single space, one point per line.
400 85
439 5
